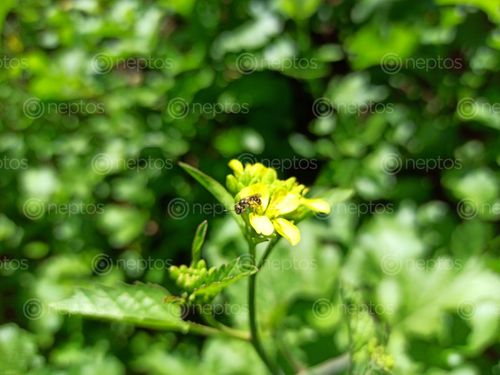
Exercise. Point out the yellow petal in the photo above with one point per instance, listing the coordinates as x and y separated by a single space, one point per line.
288 230
261 224
290 182
317 205
269 176
282 203
257 169
236 166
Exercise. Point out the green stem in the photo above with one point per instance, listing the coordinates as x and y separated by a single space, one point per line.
236 333
252 317
201 329
267 252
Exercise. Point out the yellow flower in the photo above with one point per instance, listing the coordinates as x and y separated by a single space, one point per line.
282 202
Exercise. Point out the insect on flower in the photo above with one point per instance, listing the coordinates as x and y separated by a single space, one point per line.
244 203
281 204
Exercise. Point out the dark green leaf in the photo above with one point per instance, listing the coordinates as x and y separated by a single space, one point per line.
199 239
216 189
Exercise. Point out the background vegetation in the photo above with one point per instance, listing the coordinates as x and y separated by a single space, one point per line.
397 100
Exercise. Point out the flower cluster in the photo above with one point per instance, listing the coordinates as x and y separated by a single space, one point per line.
282 202
190 278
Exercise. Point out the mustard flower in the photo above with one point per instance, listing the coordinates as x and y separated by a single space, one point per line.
282 202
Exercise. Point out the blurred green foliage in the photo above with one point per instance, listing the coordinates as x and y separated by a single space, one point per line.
396 99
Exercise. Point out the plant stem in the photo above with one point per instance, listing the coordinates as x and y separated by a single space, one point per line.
236 333
201 329
267 252
252 317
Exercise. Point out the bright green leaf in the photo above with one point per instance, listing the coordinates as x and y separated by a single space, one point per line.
139 304
223 276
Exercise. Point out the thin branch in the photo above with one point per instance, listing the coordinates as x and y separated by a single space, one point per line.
201 329
236 333
267 252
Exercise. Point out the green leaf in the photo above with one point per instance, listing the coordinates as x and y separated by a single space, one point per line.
420 298
299 9
490 7
216 189
222 277
184 8
199 239
391 46
18 350
204 284
140 304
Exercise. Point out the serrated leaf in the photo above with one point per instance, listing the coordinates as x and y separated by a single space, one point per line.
198 240
223 276
216 189
140 304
